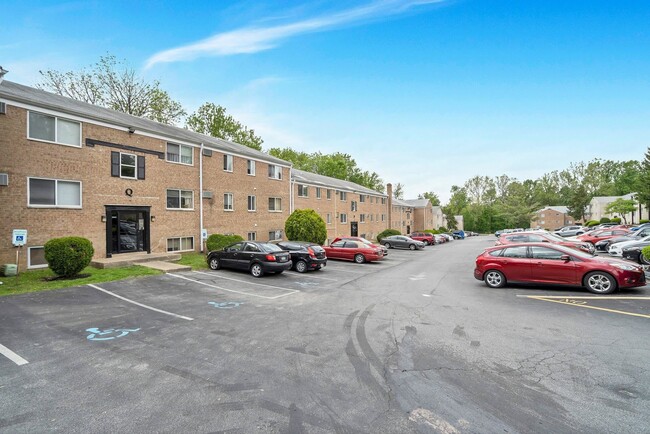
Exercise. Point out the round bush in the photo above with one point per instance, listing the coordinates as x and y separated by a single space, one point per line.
615 220
219 241
605 220
646 252
443 230
387 233
67 256
306 225
591 223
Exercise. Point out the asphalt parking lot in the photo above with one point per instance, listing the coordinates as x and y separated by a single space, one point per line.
409 344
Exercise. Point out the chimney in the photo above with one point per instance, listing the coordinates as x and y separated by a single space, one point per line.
2 73
389 192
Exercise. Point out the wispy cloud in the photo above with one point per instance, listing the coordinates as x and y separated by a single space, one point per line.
254 39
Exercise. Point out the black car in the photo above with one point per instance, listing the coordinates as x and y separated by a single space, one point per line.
633 253
256 257
304 255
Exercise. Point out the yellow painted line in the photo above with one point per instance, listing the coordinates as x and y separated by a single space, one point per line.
593 297
588 307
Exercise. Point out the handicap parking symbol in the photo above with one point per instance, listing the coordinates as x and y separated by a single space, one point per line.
225 304
108 334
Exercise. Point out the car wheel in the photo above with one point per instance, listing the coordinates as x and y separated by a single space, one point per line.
600 282
387 245
643 259
256 270
494 279
301 266
214 264
412 246
359 258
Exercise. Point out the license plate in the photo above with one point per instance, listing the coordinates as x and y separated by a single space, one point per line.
282 259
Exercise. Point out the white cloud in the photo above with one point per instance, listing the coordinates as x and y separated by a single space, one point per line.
254 39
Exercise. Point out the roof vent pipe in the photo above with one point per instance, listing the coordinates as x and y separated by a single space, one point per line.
2 73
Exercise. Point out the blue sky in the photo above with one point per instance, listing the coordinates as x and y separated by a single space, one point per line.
426 93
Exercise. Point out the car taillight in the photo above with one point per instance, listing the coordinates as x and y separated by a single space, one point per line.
270 258
311 252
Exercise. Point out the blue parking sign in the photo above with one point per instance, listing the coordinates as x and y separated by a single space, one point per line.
19 237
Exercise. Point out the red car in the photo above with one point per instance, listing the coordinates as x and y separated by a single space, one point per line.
602 234
424 236
353 251
542 237
364 241
555 264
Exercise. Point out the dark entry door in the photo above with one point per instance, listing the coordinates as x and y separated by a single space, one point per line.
354 229
127 230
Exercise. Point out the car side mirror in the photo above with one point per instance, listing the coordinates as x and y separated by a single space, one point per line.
565 258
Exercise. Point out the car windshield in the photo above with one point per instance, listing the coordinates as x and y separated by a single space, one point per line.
555 237
269 248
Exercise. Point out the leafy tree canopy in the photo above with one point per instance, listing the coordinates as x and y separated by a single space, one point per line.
212 120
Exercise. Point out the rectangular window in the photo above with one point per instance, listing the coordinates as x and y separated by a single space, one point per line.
329 218
372 217
329 194
36 257
353 205
318 193
302 190
275 204
275 172
127 165
275 235
180 244
383 217
251 167
180 154
362 198
252 203
252 236
54 193
344 217
180 199
227 163
383 201
228 202
54 129
343 195
362 218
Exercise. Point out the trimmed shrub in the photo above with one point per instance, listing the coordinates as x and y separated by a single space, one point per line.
431 231
67 256
591 223
644 221
605 220
387 233
616 220
219 241
646 253
443 230
305 225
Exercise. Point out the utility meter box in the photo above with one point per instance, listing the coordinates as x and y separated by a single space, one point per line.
9 270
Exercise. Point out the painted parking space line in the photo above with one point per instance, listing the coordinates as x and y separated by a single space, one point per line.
245 281
308 276
12 356
140 304
580 301
588 297
252 294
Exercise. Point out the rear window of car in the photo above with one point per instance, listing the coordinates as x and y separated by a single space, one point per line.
270 248
514 252
495 252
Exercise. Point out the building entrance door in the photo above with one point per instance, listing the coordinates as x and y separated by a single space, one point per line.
354 229
127 230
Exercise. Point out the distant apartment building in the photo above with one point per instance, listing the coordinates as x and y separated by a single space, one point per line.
423 217
597 209
551 218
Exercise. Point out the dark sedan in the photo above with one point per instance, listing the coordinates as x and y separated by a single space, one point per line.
304 255
256 257
634 253
402 241
554 264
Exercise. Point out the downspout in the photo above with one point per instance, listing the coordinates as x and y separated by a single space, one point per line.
291 184
201 197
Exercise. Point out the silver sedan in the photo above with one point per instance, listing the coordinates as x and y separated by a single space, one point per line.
401 241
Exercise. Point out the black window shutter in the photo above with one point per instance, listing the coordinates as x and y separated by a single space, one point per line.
140 166
115 163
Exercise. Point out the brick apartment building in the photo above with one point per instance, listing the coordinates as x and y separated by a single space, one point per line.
551 218
423 217
130 184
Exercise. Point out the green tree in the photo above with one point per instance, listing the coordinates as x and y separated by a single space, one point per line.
433 198
398 191
621 207
212 120
577 202
306 225
112 84
643 182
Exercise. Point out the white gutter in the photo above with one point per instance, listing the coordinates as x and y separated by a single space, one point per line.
201 196
291 184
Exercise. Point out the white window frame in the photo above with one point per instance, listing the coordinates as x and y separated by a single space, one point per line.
29 258
180 199
252 236
226 202
56 129
362 218
228 162
250 168
254 204
362 198
56 192
180 244
329 218
343 217
343 195
303 190
277 172
180 154
276 200
272 235
319 193
354 205
135 166
329 194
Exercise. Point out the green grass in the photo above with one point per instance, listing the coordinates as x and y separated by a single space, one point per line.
196 260
35 280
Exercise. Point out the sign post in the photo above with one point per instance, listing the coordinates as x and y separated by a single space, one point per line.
18 239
